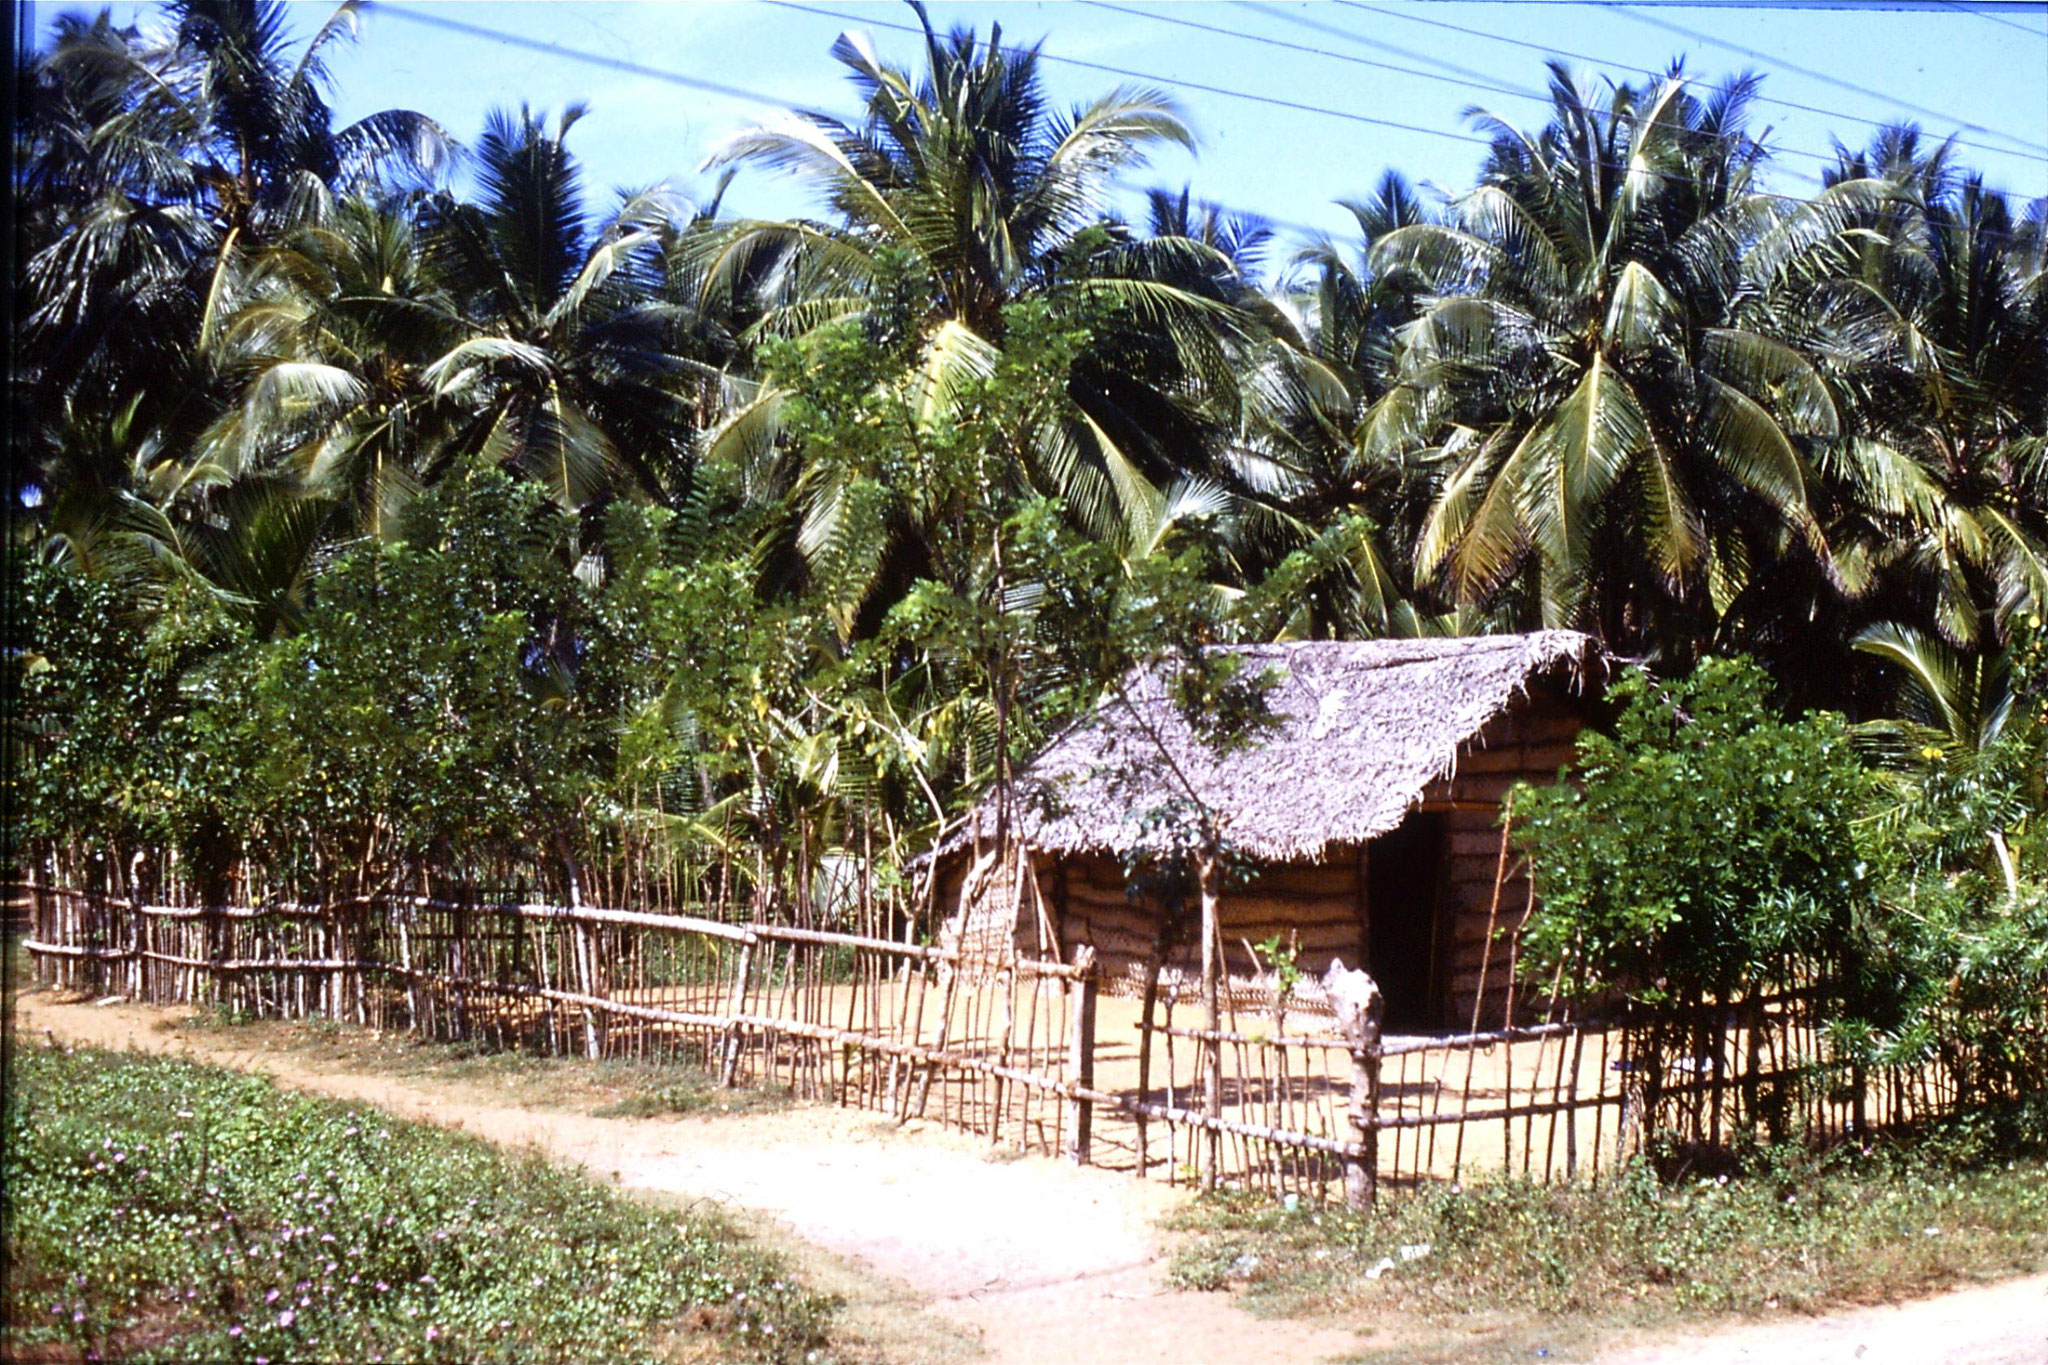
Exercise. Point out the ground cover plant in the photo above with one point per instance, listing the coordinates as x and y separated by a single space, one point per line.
1510 1267
161 1210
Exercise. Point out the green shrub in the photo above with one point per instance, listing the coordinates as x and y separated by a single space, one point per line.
1707 844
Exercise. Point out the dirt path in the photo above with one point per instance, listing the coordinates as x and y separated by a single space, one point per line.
1998 1324
1030 1260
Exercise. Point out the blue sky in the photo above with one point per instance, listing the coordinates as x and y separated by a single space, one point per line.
1986 65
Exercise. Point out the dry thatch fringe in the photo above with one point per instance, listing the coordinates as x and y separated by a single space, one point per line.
1360 729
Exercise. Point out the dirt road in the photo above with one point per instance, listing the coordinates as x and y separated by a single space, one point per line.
1999 1324
947 1253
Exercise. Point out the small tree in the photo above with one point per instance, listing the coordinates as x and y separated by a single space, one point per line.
1709 845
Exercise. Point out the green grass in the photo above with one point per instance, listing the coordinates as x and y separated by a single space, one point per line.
161 1210
1502 1269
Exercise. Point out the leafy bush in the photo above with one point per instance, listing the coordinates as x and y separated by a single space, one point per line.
161 1210
1707 843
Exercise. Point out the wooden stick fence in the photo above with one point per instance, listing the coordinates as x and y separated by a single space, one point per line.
1020 1050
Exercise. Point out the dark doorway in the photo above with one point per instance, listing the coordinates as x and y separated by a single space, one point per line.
1404 871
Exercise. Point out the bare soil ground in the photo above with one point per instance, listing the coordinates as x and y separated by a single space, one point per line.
949 1251
1998 1324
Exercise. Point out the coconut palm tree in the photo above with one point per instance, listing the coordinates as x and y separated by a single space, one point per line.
157 161
263 119
962 192
1307 469
581 357
113 249
1613 434
324 337
1934 329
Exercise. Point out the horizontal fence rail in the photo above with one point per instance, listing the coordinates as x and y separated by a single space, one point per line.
1027 1051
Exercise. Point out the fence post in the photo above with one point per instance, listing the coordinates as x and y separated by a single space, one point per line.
1209 875
1081 1055
132 941
414 1022
588 983
735 1006
214 931
1359 1007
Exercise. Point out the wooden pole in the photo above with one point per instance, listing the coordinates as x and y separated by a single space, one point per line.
1081 1056
1360 1008
1209 874
736 1004
1147 1003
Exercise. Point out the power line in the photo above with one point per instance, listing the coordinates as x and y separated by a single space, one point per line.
1158 16
1551 51
1991 18
783 105
1811 74
1346 115
1314 109
619 64
776 103
1360 40
1272 100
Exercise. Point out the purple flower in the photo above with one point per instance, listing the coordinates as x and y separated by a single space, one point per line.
381 1286
236 1330
287 1318
78 1317
433 1334
271 1297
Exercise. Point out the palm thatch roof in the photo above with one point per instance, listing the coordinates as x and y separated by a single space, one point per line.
1358 730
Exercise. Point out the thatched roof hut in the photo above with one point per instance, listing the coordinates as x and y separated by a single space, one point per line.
1401 746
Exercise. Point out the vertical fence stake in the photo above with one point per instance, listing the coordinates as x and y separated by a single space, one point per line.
587 982
1209 876
1360 1007
735 1006
1081 1055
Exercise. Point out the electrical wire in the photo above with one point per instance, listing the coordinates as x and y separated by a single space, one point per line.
1551 51
1273 101
1484 84
620 64
1810 73
1991 18
1312 233
1477 82
1173 83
